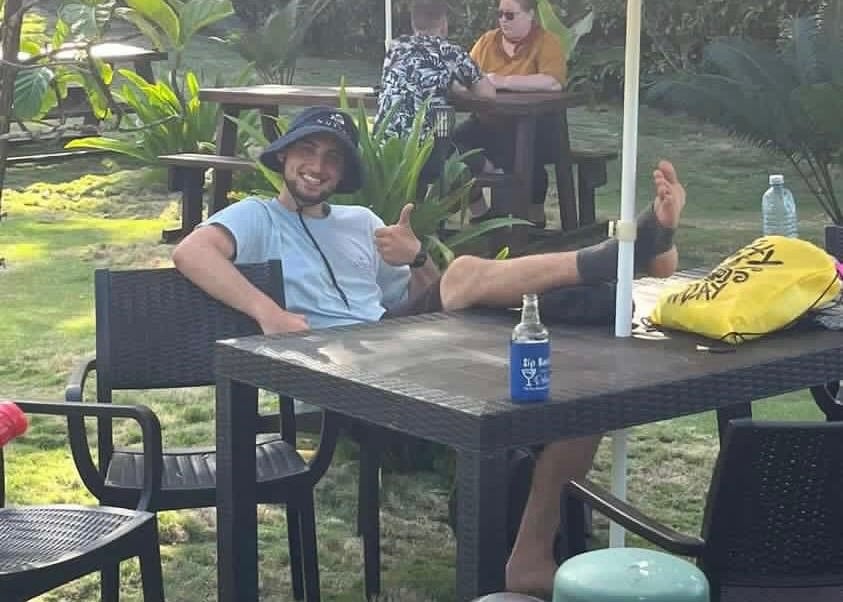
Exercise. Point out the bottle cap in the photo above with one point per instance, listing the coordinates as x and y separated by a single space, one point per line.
16 417
776 179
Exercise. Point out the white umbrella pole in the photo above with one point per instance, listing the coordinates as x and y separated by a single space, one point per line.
625 228
387 23
625 232
616 532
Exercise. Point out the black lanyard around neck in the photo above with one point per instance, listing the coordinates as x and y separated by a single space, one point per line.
324 260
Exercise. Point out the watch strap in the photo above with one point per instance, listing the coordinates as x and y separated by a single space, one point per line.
420 259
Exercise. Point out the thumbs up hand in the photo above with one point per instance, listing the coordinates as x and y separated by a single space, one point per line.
398 244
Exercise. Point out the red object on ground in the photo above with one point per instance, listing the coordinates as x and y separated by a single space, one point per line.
13 422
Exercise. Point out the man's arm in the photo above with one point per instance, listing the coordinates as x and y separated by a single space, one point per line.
482 88
525 83
205 258
421 278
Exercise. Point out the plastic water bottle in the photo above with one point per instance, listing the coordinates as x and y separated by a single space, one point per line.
778 209
529 355
12 422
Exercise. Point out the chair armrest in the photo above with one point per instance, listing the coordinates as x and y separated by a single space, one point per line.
633 519
150 428
77 432
327 444
75 386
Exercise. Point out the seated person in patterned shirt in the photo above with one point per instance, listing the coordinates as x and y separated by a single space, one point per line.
423 67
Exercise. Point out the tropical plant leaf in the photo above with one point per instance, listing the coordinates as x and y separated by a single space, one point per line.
161 15
196 14
119 146
142 24
31 86
81 19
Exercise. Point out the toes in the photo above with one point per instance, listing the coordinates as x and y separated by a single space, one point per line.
669 172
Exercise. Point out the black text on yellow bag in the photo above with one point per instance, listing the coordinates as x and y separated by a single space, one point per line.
762 288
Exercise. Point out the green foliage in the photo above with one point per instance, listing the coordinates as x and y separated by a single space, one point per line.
787 100
568 36
171 25
273 46
164 122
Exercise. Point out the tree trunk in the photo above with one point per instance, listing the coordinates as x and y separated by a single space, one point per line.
10 36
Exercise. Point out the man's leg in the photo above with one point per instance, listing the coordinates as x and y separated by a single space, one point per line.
472 281
531 565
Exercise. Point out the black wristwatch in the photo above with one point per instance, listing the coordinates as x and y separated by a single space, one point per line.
420 260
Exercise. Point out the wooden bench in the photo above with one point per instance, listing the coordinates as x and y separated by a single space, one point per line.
591 174
187 174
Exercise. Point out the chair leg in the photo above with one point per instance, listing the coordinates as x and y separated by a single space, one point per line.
310 556
294 543
110 583
150 566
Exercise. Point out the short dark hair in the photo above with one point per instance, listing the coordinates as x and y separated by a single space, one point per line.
426 14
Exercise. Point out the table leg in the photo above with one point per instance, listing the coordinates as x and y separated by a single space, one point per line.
237 522
143 67
727 413
525 138
565 178
226 145
481 523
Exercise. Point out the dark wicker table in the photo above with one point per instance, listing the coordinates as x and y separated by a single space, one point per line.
443 377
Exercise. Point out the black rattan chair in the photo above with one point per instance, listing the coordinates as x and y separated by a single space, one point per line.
43 547
773 523
155 330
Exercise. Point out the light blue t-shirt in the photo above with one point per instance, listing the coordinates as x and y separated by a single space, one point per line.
263 229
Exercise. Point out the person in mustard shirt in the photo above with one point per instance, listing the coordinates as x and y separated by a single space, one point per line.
519 55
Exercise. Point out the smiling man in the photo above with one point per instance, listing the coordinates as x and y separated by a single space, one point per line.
342 265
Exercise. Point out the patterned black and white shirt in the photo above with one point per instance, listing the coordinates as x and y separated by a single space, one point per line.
416 68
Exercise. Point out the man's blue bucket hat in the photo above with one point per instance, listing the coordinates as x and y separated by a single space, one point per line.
321 120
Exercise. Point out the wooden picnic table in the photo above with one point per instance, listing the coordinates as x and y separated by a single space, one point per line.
524 107
458 396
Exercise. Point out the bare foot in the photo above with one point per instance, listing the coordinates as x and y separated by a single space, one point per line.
534 579
670 195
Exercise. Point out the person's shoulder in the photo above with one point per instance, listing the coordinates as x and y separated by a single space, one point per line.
451 47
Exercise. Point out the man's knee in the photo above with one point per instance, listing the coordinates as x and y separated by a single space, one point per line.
460 282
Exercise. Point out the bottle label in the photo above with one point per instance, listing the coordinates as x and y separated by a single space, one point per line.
529 371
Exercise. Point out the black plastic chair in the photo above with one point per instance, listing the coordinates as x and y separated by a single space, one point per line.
773 517
43 547
155 329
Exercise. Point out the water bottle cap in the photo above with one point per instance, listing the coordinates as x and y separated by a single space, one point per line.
776 179
17 417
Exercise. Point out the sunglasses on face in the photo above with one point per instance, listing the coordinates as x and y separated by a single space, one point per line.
509 15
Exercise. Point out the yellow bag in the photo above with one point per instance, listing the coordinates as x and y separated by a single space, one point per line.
763 287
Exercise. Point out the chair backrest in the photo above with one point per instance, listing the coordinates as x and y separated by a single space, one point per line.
156 329
834 241
774 516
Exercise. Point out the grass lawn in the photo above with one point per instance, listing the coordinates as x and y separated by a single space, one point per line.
66 220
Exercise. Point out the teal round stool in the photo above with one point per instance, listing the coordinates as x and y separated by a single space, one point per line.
629 575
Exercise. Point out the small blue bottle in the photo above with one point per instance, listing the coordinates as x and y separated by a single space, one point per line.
529 355
778 209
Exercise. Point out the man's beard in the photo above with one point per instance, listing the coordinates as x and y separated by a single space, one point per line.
304 200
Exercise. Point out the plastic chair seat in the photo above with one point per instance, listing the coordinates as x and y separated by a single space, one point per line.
629 575
38 537
196 468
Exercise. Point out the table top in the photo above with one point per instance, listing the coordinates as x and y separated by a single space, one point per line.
445 376
264 95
